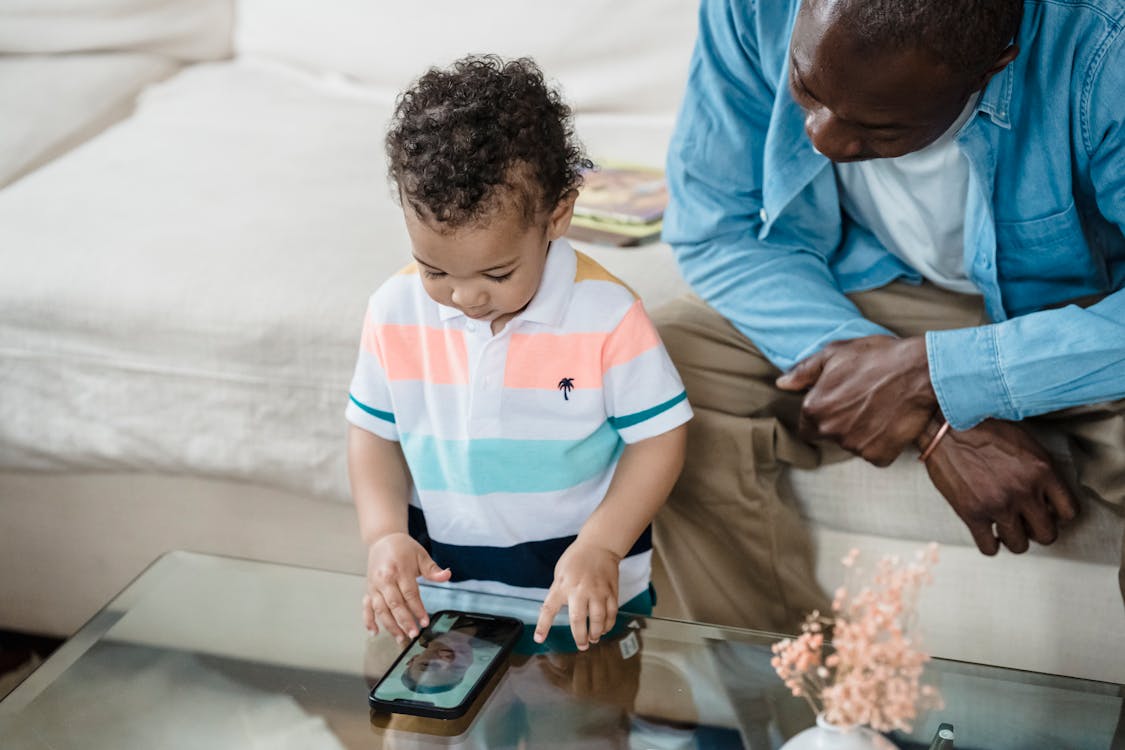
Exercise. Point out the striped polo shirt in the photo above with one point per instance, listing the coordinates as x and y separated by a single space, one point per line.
512 439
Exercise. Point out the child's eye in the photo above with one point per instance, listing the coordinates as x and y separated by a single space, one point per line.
502 277
433 274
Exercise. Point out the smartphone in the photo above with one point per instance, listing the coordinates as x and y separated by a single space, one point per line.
444 669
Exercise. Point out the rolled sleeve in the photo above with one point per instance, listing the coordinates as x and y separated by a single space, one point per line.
967 377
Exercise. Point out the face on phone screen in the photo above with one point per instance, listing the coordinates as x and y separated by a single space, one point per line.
446 661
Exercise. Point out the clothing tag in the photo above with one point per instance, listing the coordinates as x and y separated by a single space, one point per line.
629 646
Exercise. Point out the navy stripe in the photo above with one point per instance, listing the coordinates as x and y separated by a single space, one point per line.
528 565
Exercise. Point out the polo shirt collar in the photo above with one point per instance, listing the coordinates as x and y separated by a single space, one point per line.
549 304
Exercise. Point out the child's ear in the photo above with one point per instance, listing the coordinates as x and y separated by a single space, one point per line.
559 222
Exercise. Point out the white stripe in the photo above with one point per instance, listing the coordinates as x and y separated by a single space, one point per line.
634 574
503 519
527 414
641 383
597 306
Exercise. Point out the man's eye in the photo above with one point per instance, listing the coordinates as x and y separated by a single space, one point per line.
502 277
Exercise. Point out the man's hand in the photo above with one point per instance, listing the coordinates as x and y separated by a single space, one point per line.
996 473
394 563
586 582
871 395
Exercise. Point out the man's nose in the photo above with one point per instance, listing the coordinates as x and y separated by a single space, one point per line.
830 137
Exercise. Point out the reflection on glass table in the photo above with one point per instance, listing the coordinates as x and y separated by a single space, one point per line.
210 652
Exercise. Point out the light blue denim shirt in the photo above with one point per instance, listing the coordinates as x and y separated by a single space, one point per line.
757 228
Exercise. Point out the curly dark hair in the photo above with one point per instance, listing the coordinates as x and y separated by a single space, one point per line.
481 131
966 35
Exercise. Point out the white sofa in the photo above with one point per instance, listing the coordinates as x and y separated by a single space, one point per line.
193 211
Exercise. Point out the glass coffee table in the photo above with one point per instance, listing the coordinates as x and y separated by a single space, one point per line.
211 652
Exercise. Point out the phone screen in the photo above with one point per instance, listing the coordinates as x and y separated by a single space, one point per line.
443 665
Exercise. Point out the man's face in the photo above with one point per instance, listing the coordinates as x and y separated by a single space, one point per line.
862 103
442 664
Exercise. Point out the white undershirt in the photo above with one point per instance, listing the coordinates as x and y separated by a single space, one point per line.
915 205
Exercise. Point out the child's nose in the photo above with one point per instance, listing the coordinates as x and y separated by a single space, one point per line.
468 296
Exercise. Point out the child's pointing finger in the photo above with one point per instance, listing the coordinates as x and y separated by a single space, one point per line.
547 612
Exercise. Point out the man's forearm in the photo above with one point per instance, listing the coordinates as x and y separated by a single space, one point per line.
1030 365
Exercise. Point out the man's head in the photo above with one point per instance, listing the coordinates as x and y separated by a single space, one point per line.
883 78
442 664
485 162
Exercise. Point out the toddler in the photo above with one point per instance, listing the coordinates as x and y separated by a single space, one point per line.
515 420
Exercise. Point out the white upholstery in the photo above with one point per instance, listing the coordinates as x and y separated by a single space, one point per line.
87 93
625 56
899 502
184 29
217 335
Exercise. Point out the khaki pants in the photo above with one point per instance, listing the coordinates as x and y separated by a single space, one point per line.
733 552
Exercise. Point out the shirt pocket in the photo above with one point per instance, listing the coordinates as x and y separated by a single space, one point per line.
1051 251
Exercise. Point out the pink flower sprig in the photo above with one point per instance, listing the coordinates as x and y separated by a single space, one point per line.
867 671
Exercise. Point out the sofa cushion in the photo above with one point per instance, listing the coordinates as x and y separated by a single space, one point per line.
629 55
87 94
900 502
184 293
184 29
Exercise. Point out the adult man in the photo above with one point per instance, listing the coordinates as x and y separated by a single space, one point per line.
915 210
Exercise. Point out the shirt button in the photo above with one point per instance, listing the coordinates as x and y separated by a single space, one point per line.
470 326
763 215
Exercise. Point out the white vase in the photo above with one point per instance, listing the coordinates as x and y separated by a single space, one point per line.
825 736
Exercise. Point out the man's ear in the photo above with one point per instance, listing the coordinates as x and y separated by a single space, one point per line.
559 222
1001 62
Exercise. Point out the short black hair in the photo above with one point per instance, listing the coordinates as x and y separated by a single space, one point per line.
482 130
966 35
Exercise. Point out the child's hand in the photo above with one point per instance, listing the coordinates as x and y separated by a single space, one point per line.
586 582
394 562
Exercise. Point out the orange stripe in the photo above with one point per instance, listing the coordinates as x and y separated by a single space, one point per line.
408 352
634 336
541 360
590 270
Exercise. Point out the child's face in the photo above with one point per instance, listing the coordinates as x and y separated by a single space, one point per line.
489 271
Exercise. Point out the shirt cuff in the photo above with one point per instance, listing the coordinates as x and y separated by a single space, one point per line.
662 418
968 377
373 420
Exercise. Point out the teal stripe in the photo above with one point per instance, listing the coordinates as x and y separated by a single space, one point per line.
629 420
386 416
482 466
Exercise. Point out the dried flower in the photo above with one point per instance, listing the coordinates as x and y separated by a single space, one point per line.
870 671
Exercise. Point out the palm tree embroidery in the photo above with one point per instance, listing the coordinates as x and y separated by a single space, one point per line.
566 385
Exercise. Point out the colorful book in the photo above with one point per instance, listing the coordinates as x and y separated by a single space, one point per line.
584 229
623 194
620 205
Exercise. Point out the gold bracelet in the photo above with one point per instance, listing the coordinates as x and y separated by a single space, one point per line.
933 443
